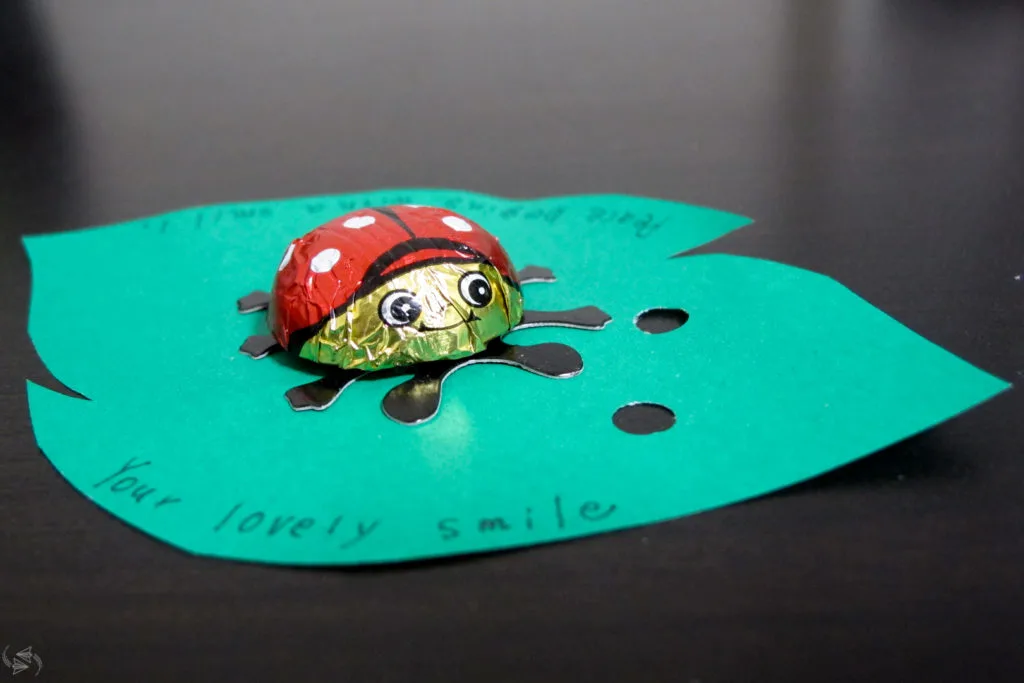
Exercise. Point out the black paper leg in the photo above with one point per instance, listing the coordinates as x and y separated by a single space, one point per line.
417 399
259 346
531 274
251 303
319 395
585 318
551 359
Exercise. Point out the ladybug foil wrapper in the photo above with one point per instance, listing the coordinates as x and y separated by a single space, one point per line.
392 286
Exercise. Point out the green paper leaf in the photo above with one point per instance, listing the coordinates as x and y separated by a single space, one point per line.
779 375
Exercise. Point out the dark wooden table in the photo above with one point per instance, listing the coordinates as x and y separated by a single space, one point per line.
879 142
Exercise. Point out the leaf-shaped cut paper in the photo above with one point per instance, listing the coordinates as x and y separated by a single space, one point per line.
777 375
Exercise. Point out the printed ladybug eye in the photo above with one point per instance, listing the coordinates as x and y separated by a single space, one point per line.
399 308
475 289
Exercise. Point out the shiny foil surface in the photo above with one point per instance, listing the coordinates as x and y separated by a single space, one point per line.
392 286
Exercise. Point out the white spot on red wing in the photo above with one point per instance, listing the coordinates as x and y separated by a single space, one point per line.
287 256
457 224
324 261
357 222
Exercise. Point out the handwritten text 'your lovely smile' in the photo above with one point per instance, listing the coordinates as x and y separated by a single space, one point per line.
559 513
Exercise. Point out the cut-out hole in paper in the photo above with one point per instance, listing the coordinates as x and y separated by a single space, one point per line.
203 452
644 418
661 320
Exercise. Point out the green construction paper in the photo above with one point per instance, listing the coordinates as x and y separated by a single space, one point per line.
780 374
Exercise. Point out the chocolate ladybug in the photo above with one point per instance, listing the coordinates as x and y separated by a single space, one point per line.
398 286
